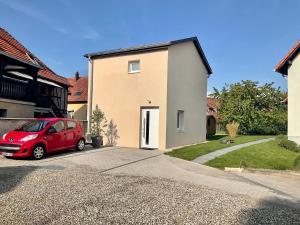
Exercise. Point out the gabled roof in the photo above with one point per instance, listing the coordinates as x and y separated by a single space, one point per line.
10 47
151 47
212 105
282 66
78 90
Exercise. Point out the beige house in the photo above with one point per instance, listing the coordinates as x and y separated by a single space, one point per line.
156 94
289 67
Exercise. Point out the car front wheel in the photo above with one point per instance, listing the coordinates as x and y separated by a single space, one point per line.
38 152
80 145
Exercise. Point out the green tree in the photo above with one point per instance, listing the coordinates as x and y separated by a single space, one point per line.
98 122
258 109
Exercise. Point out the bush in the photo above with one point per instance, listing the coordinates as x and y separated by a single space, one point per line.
297 163
281 138
232 129
226 140
243 164
290 145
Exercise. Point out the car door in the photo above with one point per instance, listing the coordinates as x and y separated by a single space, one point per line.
56 140
71 135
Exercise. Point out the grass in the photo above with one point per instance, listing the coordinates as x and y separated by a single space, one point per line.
261 156
213 144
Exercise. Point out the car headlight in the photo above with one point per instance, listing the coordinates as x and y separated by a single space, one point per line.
29 137
3 137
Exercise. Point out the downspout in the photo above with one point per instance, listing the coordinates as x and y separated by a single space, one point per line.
90 98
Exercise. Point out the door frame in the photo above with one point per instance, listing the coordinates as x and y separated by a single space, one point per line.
140 129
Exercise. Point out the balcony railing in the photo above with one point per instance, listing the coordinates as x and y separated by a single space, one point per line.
15 90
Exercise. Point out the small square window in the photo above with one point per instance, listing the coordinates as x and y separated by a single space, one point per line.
134 66
3 112
180 120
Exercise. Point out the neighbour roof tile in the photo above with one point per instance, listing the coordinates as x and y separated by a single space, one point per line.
78 90
12 48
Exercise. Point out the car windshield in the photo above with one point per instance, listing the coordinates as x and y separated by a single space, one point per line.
33 126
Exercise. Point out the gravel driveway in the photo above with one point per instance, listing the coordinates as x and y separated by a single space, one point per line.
56 195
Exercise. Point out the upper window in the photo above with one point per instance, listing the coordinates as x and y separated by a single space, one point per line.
180 120
77 93
71 125
134 66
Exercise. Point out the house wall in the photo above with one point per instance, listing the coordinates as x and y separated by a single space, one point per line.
187 88
17 109
293 104
121 95
80 110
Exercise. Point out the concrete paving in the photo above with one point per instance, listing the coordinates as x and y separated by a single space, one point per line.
205 158
149 163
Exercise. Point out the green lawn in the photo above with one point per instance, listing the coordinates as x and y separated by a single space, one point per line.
213 144
263 156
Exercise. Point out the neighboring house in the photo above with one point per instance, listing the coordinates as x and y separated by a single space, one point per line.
212 116
156 94
289 67
28 88
77 99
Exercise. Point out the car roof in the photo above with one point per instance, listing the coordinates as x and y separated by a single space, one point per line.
56 119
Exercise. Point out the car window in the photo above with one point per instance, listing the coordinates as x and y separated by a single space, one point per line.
71 125
33 126
59 126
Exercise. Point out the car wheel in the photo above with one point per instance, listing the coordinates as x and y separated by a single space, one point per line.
38 152
80 145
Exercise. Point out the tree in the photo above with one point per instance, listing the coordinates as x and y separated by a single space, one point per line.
98 122
111 133
258 109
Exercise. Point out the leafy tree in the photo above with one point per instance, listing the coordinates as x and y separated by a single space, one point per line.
98 122
258 109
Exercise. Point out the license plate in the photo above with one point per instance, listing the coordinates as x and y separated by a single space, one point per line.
7 154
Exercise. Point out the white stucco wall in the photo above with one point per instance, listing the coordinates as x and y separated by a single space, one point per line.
187 88
294 100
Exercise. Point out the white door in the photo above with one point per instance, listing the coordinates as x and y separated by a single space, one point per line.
150 128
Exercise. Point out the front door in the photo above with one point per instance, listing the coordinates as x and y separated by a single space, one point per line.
150 128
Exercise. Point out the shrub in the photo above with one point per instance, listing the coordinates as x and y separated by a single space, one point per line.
232 129
280 138
243 164
297 163
98 122
226 140
290 145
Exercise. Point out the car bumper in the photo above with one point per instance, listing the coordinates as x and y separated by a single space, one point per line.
15 149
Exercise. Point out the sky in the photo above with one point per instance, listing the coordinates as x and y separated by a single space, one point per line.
241 39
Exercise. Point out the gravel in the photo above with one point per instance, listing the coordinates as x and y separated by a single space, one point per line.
50 195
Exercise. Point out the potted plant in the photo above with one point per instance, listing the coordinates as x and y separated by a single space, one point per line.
98 122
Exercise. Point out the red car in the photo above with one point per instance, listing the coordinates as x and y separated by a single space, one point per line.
41 136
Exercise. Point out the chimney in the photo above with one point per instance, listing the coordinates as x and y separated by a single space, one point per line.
77 75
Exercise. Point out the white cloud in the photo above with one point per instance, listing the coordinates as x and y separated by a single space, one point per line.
82 27
30 10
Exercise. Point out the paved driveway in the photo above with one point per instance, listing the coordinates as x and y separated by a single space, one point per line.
154 163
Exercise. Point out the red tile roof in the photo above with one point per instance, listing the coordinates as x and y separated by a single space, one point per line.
78 86
212 107
12 48
281 66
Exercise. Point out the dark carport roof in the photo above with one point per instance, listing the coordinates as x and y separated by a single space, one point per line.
151 47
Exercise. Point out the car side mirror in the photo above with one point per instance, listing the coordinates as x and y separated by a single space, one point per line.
51 130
